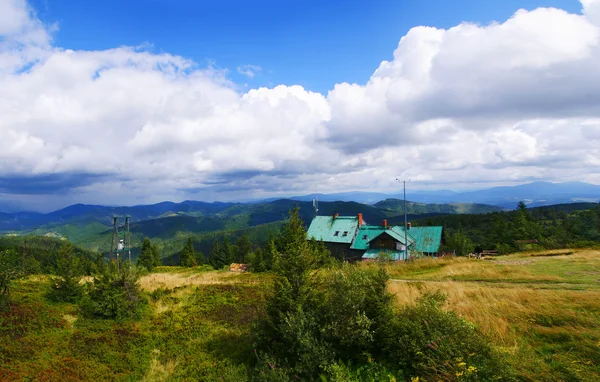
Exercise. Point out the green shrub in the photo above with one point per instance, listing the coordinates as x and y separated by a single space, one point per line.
12 267
114 292
65 285
346 328
426 341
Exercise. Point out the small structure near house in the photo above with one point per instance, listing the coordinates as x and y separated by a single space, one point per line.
235 267
428 239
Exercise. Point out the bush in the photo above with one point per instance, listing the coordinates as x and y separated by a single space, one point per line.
346 320
114 292
426 341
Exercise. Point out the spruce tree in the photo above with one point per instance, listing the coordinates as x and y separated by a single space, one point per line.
146 258
188 257
243 246
156 255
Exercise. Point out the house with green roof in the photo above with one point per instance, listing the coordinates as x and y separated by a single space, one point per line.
337 232
428 239
351 238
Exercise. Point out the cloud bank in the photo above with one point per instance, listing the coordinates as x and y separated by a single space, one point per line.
511 101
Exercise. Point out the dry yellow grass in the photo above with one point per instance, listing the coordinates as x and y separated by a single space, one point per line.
541 309
159 371
497 311
154 281
522 267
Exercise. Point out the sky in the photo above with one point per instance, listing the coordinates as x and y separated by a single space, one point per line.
111 102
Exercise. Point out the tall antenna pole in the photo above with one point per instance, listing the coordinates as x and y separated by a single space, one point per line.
127 238
112 240
405 224
316 206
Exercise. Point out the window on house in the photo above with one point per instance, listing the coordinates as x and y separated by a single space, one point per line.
365 237
337 233
345 233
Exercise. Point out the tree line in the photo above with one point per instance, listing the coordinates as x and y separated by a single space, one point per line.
551 227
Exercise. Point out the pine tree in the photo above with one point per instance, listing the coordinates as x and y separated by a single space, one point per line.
216 255
157 261
188 257
65 286
243 247
146 258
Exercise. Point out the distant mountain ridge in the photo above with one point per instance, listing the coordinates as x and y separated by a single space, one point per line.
534 194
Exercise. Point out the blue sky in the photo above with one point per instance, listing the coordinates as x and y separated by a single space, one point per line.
132 102
313 43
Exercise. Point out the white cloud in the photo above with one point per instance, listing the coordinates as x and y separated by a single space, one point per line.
510 101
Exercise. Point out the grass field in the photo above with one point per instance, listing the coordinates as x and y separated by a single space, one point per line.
541 310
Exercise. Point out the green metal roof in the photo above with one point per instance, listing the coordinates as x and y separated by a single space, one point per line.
366 233
428 238
375 253
342 229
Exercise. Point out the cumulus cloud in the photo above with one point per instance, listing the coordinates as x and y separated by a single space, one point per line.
510 101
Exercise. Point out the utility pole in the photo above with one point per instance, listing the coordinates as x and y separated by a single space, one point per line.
23 249
405 224
127 239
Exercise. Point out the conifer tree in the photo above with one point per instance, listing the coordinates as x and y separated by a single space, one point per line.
188 257
156 255
146 259
243 246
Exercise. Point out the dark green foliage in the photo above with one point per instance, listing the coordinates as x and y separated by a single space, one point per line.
40 253
114 292
65 286
461 243
10 269
256 261
188 255
222 253
147 258
243 246
156 255
345 320
426 341
560 226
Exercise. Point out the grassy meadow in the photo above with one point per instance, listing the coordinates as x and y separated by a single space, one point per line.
541 310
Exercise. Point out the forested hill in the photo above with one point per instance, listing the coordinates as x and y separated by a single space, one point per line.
170 224
557 226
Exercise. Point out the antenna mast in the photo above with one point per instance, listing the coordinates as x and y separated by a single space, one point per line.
127 238
316 206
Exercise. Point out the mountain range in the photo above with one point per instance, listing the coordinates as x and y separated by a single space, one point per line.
534 194
170 224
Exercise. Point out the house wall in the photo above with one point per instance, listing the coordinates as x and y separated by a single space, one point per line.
384 242
338 250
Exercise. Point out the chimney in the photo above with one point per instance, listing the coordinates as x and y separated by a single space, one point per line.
360 221
385 223
335 216
408 225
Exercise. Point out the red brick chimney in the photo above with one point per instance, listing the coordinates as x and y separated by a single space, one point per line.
335 215
385 222
360 220
408 225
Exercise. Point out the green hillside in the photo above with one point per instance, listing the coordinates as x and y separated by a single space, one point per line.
169 225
